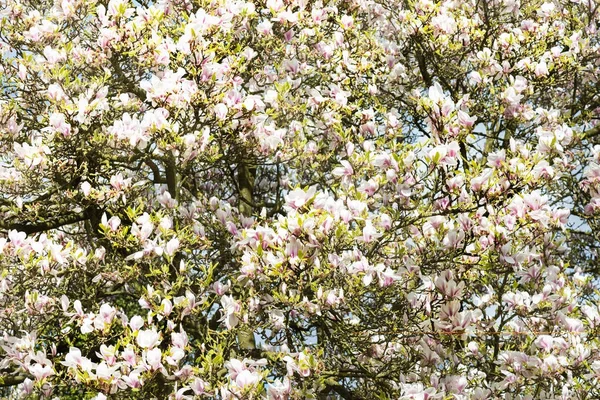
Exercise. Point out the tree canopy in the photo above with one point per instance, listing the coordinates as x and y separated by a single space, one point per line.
294 199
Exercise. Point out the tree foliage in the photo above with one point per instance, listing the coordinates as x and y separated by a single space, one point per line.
293 199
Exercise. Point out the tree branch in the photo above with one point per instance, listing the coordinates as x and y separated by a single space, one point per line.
171 173
246 176
590 133
12 380
342 391
129 85
46 225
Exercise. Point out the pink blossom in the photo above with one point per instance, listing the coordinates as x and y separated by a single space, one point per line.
265 28
444 23
74 359
247 378
136 322
298 197
370 233
153 358
41 370
133 380
172 246
230 308
436 93
148 338
198 386
221 111
465 120
541 69
347 21
107 313
344 170
279 390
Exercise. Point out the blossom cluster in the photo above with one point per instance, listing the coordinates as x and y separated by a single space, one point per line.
291 199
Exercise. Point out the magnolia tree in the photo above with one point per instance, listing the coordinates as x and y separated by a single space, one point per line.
361 199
